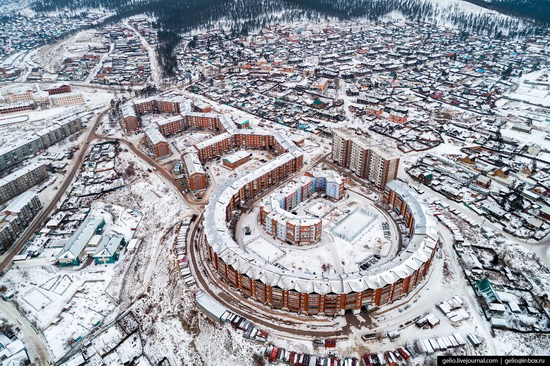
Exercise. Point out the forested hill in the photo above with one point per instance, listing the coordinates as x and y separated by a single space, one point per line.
538 10
184 10
240 16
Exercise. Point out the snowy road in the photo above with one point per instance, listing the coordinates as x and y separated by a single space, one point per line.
36 348
155 71
46 212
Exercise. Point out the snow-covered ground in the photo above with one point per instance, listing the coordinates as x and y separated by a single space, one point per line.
333 253
147 282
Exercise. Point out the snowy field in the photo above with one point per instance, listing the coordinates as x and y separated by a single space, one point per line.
265 250
36 299
85 310
534 88
354 225
320 208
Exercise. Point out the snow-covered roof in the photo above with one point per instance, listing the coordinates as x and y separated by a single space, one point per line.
22 142
214 140
235 157
20 202
161 121
154 135
210 305
108 245
81 237
66 95
19 173
418 251
192 163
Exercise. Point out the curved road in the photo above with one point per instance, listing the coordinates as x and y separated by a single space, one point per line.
248 309
36 348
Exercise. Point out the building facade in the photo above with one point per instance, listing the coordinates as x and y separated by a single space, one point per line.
278 220
235 160
157 142
59 89
17 107
341 147
194 171
375 162
17 216
18 96
61 100
21 180
62 127
328 295
73 251
129 117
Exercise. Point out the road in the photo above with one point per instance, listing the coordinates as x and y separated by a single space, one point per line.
36 348
155 73
47 211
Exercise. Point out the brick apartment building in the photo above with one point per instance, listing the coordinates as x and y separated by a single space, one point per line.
157 142
170 125
130 118
59 89
278 221
376 162
196 175
306 294
276 209
202 107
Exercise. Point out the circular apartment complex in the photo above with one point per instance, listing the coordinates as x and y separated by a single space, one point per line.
319 292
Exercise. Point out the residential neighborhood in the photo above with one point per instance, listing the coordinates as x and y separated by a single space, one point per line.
313 191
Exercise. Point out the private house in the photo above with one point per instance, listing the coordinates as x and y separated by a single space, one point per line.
483 181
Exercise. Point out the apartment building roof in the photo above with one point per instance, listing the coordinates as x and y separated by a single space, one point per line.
192 163
20 202
19 173
154 135
213 140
